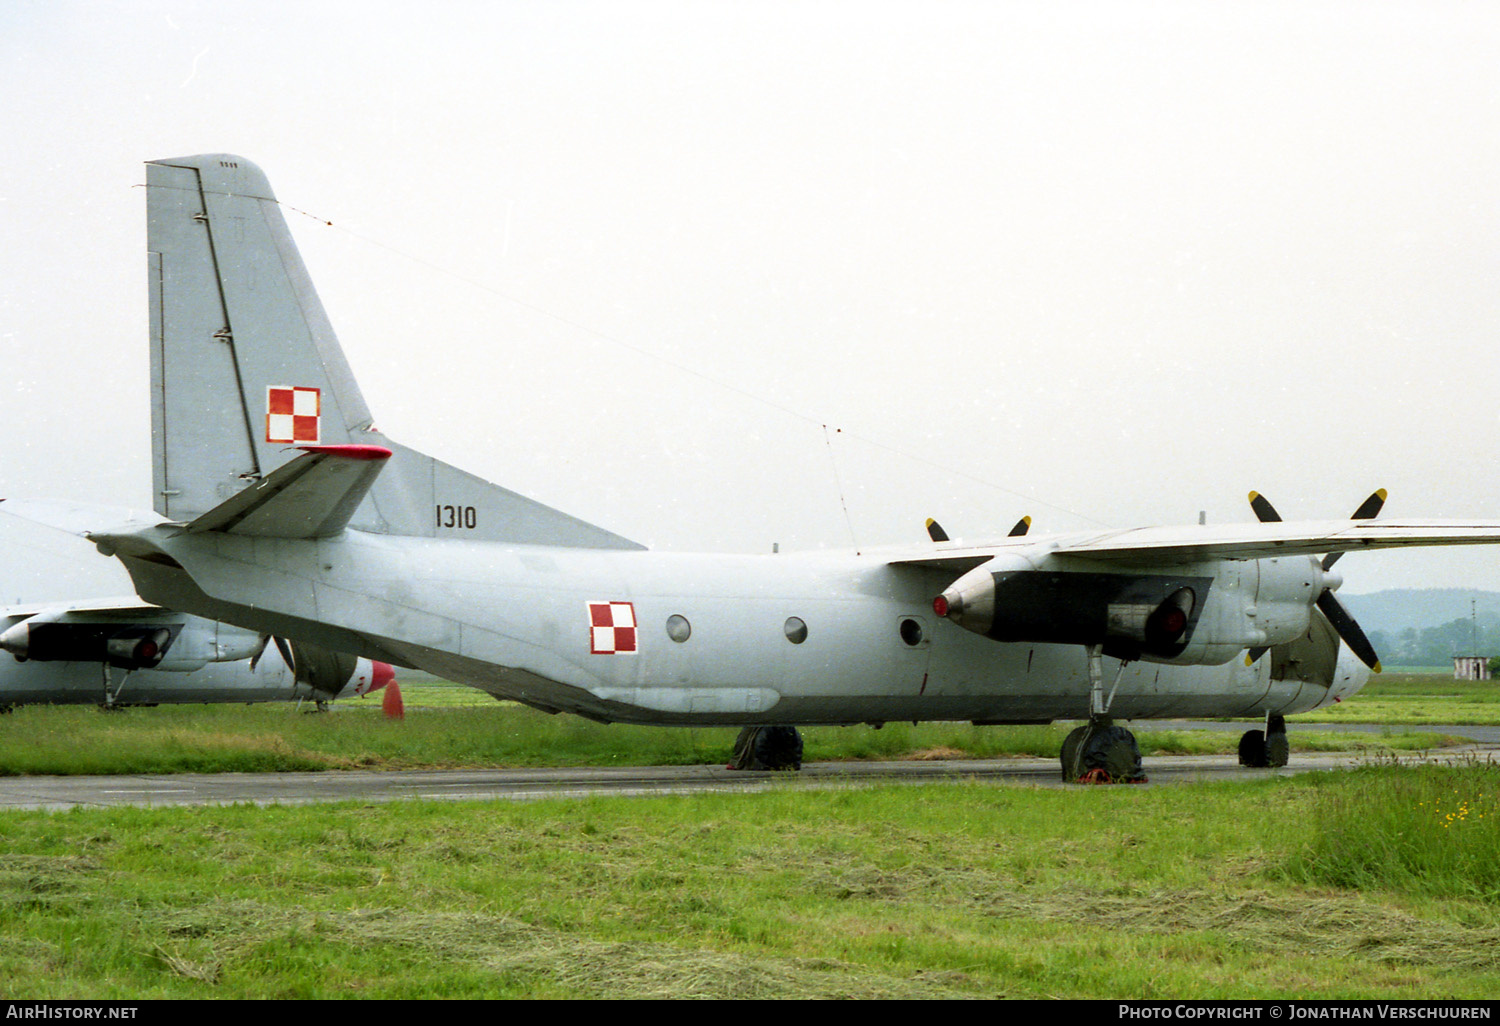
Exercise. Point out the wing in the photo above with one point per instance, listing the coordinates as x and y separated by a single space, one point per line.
124 606
1194 544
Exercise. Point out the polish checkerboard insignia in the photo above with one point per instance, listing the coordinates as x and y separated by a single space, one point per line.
611 628
292 414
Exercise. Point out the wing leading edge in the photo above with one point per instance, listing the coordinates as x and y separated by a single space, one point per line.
1228 541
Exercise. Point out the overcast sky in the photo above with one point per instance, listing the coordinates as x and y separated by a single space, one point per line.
720 276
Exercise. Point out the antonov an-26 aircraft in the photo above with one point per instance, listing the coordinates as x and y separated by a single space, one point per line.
280 508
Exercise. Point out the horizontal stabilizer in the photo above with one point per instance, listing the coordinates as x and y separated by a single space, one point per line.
84 519
313 496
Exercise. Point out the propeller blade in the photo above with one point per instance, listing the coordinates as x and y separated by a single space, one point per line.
1348 630
260 650
935 531
1368 510
286 653
1332 608
1264 511
1022 526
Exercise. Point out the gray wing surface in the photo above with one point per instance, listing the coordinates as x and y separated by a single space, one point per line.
1158 545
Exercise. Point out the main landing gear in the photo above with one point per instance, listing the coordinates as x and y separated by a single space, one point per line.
1269 747
1100 752
767 748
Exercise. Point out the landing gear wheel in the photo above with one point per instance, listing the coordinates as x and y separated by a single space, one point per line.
768 748
1253 749
1101 753
1278 749
1071 771
1112 753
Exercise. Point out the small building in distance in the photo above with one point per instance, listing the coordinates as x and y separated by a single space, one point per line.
1471 667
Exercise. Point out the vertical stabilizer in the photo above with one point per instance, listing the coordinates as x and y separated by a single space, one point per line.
245 367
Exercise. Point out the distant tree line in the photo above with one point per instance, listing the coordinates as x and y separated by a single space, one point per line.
1436 646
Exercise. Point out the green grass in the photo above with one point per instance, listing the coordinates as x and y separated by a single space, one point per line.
956 890
68 740
1435 832
1417 698
1375 883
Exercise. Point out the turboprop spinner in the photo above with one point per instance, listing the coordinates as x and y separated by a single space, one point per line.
1330 606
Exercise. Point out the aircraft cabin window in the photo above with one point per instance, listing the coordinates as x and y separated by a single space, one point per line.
796 630
911 632
678 628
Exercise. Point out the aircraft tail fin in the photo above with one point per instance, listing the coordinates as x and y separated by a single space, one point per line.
245 369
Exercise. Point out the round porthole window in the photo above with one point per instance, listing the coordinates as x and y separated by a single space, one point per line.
678 628
911 632
796 630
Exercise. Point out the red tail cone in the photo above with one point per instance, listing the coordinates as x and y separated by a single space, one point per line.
391 703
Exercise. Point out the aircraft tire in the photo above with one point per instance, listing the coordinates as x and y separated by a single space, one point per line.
1253 749
1278 749
1114 751
768 748
1071 770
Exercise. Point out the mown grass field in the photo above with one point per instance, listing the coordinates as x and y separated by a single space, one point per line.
1380 882
1372 883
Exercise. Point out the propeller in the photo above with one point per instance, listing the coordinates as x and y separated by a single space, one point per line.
1330 606
321 669
936 533
281 646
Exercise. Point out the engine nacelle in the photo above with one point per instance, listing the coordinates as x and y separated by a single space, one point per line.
130 640
201 642
1133 615
1203 614
129 646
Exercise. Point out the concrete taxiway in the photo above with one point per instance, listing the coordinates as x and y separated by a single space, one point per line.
530 784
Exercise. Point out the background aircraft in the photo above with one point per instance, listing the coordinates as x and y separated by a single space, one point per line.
117 653
289 514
